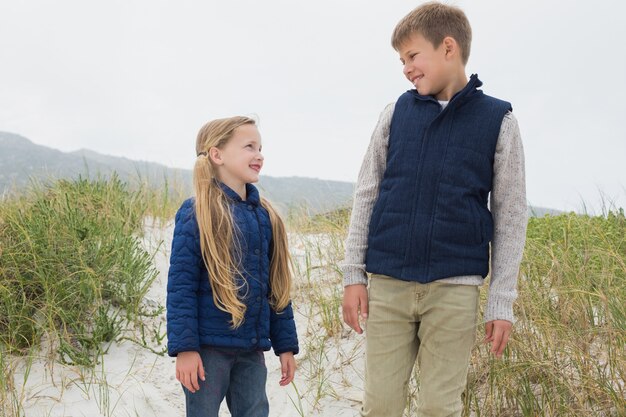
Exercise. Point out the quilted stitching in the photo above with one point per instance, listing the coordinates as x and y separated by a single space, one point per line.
192 317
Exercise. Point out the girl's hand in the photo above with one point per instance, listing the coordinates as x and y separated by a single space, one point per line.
288 368
188 368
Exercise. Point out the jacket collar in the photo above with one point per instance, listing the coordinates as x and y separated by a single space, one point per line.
469 90
252 194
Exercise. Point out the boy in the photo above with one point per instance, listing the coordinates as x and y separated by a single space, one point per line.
422 227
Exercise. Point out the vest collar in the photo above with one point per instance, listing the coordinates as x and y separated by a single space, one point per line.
252 194
469 90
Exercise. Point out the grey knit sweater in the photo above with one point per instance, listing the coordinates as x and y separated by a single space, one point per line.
507 204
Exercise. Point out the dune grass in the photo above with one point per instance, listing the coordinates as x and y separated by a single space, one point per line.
327 353
567 354
73 276
73 272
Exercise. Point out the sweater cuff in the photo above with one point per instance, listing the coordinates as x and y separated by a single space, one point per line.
499 308
354 276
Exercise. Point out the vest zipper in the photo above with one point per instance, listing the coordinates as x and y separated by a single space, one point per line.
415 200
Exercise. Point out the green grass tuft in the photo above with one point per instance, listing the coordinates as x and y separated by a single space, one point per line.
72 267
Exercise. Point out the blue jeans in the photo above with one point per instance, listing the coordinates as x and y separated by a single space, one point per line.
239 375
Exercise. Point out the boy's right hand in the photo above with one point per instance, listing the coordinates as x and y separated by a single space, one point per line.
355 301
188 368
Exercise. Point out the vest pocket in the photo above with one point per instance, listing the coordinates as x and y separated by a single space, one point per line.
479 223
455 233
378 211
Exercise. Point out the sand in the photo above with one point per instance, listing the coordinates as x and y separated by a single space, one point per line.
134 381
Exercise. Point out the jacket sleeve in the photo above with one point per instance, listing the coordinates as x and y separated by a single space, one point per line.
283 331
183 282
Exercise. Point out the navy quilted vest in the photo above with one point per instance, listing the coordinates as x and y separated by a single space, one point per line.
431 219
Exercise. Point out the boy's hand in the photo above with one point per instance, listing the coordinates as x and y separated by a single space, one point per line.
188 368
497 332
355 301
287 367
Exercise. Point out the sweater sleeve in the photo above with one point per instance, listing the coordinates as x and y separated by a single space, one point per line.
183 283
365 196
510 215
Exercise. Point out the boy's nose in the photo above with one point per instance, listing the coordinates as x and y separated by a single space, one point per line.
406 70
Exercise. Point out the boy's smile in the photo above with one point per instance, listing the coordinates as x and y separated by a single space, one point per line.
433 71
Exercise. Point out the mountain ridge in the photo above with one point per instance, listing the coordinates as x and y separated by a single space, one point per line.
22 159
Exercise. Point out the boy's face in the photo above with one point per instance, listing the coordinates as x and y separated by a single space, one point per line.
426 67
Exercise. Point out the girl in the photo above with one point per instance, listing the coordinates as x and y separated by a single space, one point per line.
229 279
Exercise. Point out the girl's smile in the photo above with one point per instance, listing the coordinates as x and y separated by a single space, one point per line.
240 160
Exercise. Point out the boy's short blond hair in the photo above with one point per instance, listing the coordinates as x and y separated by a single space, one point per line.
434 21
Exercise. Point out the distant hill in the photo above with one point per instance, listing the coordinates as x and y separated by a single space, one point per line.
22 160
542 211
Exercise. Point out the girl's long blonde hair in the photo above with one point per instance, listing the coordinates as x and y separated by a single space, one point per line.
218 237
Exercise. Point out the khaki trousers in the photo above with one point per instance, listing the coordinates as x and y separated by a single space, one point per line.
435 323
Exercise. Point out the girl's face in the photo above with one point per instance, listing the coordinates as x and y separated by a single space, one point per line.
239 161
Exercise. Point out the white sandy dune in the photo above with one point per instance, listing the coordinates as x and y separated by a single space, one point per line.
134 381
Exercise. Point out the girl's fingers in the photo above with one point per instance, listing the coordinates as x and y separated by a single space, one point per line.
187 382
288 370
194 380
291 371
188 369
200 369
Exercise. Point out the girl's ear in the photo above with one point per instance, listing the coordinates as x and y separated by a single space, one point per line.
215 156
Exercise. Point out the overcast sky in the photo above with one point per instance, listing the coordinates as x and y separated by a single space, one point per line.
139 78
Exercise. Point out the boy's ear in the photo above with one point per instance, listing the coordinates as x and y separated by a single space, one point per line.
215 156
450 46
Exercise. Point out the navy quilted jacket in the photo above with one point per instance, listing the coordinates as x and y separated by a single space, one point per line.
193 320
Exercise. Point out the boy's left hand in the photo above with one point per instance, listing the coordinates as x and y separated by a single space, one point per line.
288 368
497 332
